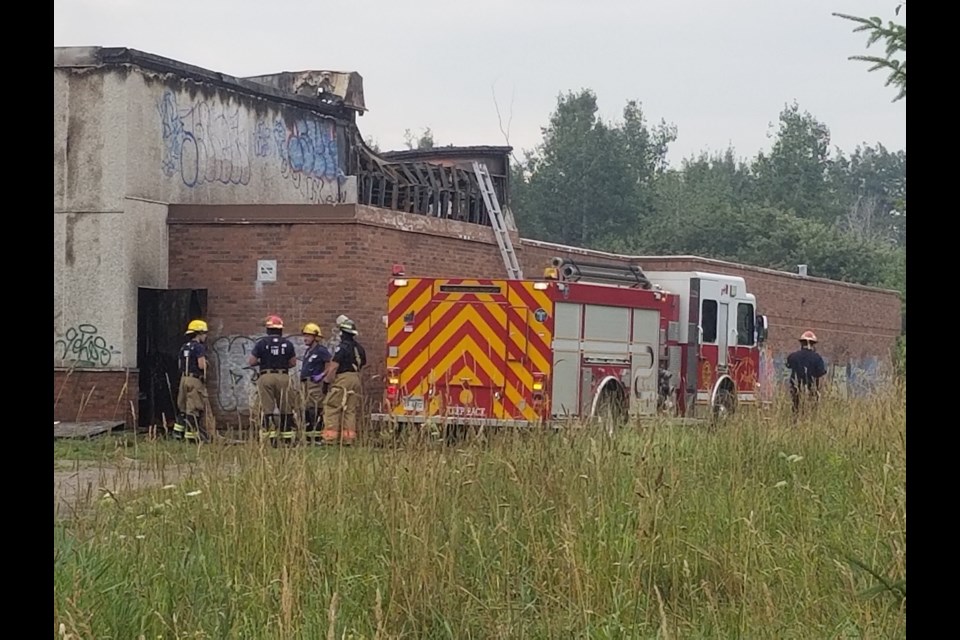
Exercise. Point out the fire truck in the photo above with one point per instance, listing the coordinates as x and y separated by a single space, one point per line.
585 341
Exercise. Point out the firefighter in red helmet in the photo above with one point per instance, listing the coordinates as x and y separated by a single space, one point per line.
806 371
275 355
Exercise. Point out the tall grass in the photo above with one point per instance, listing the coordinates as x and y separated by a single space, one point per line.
759 529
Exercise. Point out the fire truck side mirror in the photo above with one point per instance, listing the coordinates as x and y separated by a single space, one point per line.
763 328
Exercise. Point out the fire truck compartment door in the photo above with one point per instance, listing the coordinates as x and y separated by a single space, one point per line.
565 393
467 352
644 358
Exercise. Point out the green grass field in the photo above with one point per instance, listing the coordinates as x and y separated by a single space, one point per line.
758 529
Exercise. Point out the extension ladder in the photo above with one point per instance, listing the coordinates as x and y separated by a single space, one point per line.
497 222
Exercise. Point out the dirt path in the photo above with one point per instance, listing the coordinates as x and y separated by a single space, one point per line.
77 484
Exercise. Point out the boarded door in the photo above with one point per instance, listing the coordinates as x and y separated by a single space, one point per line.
162 318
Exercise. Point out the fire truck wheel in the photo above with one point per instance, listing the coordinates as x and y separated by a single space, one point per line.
725 404
611 408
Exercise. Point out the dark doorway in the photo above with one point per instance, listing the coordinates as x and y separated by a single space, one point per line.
162 317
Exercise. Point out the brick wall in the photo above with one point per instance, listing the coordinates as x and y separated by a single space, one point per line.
81 395
333 260
852 322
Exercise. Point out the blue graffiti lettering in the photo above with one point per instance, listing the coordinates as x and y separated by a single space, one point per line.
308 154
205 142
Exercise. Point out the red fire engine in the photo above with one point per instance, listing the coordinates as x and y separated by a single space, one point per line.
587 340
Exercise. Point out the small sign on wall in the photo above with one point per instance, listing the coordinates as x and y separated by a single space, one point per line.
266 270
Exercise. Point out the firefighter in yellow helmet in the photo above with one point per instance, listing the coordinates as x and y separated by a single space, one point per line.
315 360
275 355
807 369
192 394
342 404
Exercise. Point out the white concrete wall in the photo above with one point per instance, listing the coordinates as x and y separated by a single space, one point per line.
90 308
188 146
128 143
89 241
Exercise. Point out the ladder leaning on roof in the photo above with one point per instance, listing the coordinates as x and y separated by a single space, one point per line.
496 220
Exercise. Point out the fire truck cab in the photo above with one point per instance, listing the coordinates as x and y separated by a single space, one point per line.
722 333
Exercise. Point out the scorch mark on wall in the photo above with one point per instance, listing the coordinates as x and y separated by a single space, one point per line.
82 346
203 143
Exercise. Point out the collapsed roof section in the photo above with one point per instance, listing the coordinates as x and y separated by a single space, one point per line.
340 88
438 182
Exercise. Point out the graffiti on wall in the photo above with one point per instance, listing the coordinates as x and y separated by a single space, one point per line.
204 142
210 141
853 378
308 158
83 346
235 378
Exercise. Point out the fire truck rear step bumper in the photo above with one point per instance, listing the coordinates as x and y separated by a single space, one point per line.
386 418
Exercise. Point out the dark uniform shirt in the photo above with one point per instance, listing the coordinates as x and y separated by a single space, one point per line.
274 352
805 366
349 356
190 354
314 361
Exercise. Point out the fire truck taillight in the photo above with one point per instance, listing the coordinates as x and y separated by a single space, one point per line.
541 286
538 382
538 390
393 383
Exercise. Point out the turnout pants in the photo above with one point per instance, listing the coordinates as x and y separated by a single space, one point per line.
191 403
341 408
312 408
275 390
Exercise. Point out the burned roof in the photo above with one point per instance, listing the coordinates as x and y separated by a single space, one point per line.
347 86
447 152
275 88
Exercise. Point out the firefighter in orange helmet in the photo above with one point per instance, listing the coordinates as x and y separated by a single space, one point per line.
806 371
275 355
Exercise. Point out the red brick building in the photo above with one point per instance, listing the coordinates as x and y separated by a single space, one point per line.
164 237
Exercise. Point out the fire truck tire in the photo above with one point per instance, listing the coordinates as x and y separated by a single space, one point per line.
725 404
611 408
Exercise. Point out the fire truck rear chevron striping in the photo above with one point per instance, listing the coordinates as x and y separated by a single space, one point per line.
585 341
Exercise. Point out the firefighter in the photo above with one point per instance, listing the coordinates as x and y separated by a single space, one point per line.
192 394
806 372
315 360
275 356
342 403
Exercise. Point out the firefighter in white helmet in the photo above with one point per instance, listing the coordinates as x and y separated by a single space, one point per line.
342 404
192 394
806 371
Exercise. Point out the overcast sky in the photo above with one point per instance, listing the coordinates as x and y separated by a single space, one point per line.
721 70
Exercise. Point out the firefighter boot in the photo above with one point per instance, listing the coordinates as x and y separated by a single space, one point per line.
310 432
178 427
287 433
269 431
202 427
192 432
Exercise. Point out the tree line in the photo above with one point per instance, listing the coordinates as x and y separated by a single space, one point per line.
608 186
